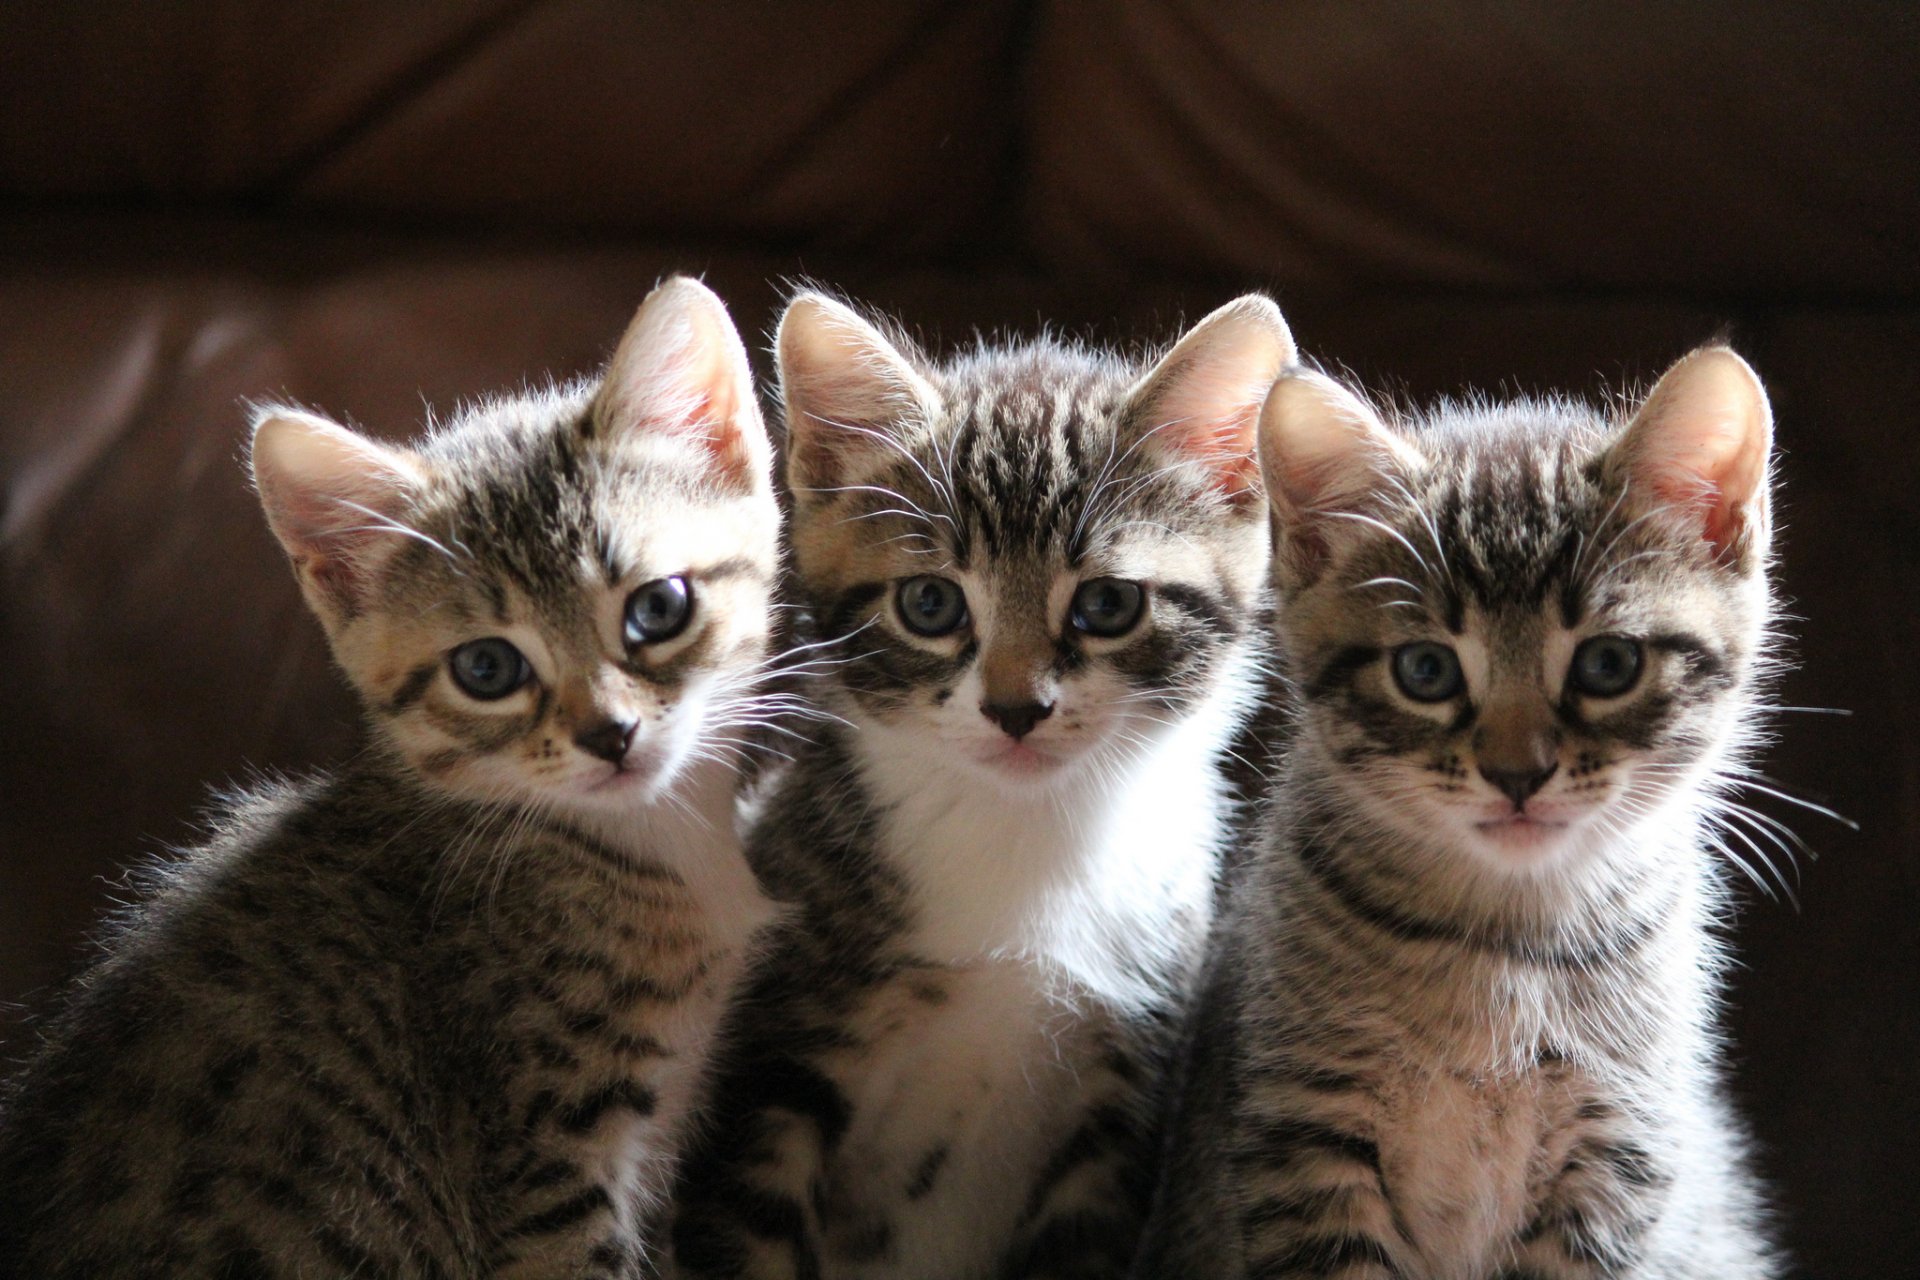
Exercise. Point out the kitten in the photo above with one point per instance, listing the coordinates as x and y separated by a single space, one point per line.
1461 1019
444 1012
1036 573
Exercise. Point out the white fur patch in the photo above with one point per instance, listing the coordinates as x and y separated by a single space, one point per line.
1104 877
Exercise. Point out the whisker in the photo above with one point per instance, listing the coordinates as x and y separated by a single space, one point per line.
1748 778
1389 530
384 523
945 493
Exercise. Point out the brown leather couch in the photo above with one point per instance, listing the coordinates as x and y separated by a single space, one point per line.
372 207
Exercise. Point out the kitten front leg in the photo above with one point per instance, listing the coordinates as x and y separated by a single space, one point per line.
1084 1213
1313 1201
1592 1221
576 1196
753 1216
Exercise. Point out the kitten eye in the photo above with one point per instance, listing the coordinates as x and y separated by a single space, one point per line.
1107 606
488 669
1605 666
1428 672
931 606
658 610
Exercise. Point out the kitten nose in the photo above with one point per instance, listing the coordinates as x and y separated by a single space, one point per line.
609 739
1017 718
1520 784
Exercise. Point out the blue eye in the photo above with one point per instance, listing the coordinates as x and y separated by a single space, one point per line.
658 610
1428 672
1605 666
488 669
931 606
1107 606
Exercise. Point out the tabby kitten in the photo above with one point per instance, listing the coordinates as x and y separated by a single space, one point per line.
1035 572
1461 1022
444 1013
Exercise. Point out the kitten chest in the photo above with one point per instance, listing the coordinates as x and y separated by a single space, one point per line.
1456 1155
1467 1159
966 1081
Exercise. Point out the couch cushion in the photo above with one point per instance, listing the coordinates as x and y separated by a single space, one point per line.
1755 149
823 122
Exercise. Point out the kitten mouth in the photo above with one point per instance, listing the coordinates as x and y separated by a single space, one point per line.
1021 759
619 782
641 768
1520 832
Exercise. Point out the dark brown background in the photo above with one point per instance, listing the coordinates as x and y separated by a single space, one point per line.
370 206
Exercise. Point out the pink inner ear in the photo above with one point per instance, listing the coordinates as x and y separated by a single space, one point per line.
687 403
340 575
333 542
1724 527
692 413
327 519
717 426
1236 474
1701 443
679 372
1723 522
332 499
1723 518
821 454
1225 446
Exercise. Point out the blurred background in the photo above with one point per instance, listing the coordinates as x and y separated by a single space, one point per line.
376 207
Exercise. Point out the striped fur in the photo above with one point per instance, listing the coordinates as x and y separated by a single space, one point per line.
446 1012
950 1062
1453 1032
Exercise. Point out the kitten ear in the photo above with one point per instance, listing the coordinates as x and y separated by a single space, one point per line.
1325 454
1201 402
681 373
849 392
334 499
1701 445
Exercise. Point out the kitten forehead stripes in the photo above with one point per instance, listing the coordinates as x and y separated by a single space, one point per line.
1016 464
526 507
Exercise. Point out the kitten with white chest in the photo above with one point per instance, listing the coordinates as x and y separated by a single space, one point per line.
1460 1023
447 1011
1036 574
